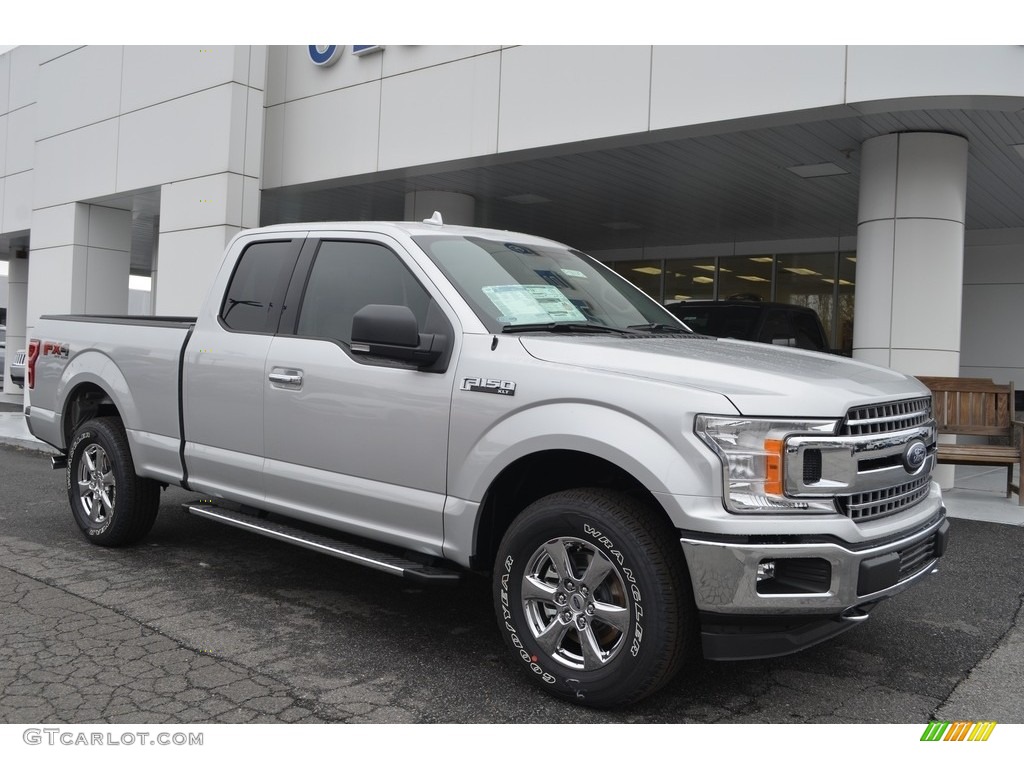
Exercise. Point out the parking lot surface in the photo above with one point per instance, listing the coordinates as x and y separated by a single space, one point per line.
201 623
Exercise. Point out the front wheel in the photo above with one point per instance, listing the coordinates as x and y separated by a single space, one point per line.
593 597
111 505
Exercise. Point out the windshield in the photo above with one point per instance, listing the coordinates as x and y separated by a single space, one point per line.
518 287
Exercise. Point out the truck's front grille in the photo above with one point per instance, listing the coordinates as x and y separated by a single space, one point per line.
887 417
884 501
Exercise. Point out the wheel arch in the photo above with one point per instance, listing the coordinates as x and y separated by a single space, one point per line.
87 400
540 474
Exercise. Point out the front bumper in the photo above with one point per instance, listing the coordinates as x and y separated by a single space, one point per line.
810 588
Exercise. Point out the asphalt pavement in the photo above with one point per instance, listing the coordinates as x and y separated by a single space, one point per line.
201 623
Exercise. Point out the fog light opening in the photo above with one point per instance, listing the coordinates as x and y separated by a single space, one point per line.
765 570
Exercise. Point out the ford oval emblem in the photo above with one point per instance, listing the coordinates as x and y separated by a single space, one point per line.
914 456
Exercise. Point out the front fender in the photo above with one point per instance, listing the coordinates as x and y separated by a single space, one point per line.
661 464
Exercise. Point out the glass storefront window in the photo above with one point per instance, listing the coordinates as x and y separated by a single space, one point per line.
843 339
809 280
745 277
645 275
689 280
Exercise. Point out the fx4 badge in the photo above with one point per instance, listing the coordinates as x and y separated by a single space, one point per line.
56 349
492 386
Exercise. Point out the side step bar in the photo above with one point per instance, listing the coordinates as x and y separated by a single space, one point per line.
394 564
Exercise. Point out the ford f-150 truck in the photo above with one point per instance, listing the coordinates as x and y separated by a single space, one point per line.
434 400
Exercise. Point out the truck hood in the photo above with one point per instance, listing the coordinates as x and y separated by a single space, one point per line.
759 379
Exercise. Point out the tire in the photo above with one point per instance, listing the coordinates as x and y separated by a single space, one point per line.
111 505
593 597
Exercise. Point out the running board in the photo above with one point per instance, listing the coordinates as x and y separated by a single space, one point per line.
394 564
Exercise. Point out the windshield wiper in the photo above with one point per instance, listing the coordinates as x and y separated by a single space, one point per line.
661 327
567 328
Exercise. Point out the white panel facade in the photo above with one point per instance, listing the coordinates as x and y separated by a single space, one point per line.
57 225
558 94
78 165
24 61
189 260
88 82
896 72
51 52
925 166
180 139
157 73
203 202
318 143
5 83
21 140
417 127
877 198
928 276
397 59
703 84
874 318
277 74
17 211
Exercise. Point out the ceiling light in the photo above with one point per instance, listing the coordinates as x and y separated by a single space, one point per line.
753 278
802 271
852 258
620 225
707 267
817 170
702 279
831 281
763 259
680 297
526 198
647 270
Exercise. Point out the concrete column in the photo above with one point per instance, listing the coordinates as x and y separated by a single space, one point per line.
80 260
910 250
17 287
910 247
455 207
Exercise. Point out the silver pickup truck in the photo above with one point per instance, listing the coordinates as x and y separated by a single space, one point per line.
433 400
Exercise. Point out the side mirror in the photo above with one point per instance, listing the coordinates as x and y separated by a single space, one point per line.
391 331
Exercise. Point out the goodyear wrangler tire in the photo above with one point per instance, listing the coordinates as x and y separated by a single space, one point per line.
110 503
593 597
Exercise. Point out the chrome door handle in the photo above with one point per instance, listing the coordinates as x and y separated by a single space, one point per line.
286 378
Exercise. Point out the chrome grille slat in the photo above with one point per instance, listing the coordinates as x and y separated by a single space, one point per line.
887 417
881 419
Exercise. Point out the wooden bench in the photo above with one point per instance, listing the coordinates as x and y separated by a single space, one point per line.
981 408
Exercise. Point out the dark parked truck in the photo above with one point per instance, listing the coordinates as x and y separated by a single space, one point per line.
432 400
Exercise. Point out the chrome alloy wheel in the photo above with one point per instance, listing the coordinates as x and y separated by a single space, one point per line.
576 604
96 485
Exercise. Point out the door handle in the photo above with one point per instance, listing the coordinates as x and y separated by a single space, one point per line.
286 378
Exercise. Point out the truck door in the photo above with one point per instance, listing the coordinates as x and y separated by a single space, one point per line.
354 442
224 373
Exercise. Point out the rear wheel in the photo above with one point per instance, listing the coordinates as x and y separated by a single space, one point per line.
111 505
593 598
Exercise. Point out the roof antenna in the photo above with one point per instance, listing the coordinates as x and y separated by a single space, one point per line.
435 219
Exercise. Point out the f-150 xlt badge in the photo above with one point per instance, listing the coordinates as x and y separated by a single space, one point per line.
493 386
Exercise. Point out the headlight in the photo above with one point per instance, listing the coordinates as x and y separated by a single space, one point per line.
753 454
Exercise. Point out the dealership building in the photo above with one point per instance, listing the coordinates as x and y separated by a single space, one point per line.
883 186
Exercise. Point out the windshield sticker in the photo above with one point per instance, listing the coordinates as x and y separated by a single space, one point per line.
574 273
521 304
